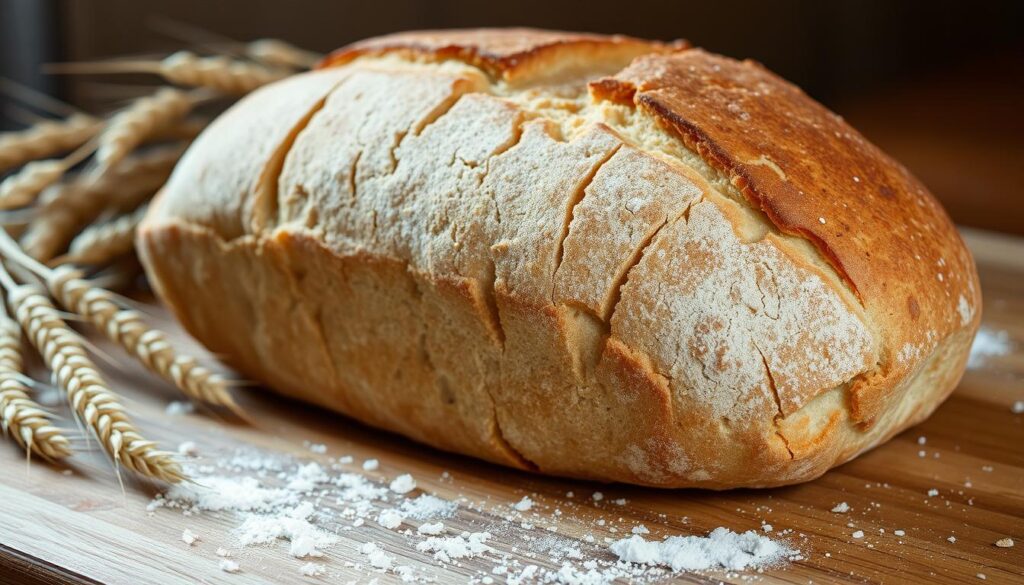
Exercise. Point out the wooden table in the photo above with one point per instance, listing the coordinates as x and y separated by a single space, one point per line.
75 525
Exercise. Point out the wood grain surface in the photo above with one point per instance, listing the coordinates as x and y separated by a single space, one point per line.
75 524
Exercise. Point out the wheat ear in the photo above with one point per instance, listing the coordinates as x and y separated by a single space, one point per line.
27 422
277 53
220 74
127 328
92 400
144 118
65 208
46 139
23 187
102 242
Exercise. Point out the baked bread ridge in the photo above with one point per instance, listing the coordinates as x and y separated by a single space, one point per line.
529 330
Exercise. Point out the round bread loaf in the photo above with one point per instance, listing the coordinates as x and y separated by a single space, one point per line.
590 256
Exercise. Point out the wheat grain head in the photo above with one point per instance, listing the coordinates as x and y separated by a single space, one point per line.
92 400
147 344
144 118
20 417
46 139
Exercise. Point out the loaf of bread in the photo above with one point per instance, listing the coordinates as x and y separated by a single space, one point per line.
590 256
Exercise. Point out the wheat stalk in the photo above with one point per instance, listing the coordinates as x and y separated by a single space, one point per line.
20 416
92 400
219 73
127 328
277 53
67 207
46 139
144 118
102 242
23 187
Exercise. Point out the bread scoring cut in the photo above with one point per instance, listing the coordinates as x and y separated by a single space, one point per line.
498 243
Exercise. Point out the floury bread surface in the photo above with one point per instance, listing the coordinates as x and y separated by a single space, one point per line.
590 256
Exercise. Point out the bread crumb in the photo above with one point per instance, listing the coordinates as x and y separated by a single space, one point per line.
598 496
841 508
403 484
981 576
952 539
189 537
922 440
899 532
933 492
228 566
858 534
371 465
1005 543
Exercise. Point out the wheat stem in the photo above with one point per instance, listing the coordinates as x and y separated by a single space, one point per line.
27 422
45 139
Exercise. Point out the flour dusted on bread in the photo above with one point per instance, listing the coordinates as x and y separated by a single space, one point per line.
583 255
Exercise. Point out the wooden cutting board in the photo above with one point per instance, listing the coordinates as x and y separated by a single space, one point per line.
76 525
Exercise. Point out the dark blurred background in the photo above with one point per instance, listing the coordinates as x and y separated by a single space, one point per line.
939 85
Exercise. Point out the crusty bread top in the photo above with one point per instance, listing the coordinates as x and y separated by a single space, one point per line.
506 53
810 174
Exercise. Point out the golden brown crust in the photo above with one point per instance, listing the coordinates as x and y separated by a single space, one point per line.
504 53
817 178
627 285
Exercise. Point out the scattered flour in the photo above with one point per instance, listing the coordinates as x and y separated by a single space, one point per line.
988 343
403 484
390 519
376 556
524 504
312 569
307 506
841 508
431 529
177 408
456 547
721 549
427 507
189 537
188 449
371 465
